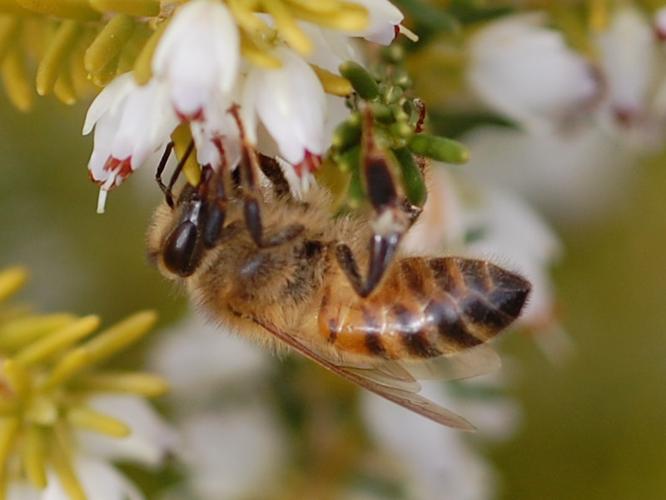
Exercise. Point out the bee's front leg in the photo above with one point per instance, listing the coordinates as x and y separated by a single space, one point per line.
168 189
249 167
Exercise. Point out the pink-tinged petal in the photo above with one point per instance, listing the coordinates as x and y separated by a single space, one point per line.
628 61
291 104
198 54
384 19
660 24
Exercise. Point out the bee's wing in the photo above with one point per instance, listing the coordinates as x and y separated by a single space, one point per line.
388 381
468 363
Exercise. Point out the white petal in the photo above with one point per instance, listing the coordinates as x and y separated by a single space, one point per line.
331 48
197 358
291 104
23 491
146 124
233 452
151 438
100 481
572 176
439 463
104 133
384 17
107 100
660 23
627 53
442 222
198 53
526 71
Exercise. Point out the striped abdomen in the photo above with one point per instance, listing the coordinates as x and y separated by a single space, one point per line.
424 308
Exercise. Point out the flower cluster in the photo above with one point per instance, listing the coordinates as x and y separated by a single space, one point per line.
582 115
279 66
61 416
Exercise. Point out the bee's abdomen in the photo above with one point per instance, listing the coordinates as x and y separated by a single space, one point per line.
426 308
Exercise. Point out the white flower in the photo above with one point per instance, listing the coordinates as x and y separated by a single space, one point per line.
232 448
627 53
330 48
216 137
232 452
131 122
438 461
291 104
198 56
384 22
635 106
151 440
572 176
660 23
198 357
525 71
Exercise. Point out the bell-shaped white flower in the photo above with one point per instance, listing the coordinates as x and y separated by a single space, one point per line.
437 460
233 451
216 136
525 71
330 48
198 360
384 21
660 23
198 56
230 449
131 122
627 57
291 104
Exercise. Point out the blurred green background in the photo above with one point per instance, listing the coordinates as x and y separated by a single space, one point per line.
594 428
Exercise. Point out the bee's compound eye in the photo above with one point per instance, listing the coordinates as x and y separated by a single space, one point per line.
182 250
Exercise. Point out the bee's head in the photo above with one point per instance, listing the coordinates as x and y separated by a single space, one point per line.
181 232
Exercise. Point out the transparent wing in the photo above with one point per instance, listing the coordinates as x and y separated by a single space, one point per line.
468 363
393 380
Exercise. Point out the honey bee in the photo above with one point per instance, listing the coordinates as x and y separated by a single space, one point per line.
283 272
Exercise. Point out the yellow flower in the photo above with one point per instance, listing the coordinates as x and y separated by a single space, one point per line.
49 370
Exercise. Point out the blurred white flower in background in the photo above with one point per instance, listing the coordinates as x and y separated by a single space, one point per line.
578 137
524 70
232 443
439 462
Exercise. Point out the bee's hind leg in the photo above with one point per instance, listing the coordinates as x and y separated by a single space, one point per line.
251 194
391 222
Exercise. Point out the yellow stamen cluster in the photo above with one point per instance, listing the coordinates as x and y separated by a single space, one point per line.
48 372
79 42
